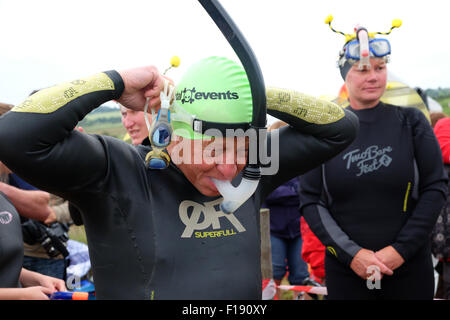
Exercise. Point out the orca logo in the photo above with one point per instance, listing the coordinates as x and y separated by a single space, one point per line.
204 216
190 95
5 217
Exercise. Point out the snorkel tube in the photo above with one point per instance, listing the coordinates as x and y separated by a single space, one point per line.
364 55
234 197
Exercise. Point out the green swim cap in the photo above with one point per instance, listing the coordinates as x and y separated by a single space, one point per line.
214 89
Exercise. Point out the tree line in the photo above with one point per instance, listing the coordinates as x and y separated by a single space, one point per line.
438 93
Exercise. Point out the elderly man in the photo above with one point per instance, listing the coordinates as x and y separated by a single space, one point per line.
161 234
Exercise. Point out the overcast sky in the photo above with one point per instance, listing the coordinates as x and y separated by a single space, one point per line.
45 42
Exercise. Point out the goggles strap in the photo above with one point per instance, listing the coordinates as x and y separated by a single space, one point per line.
163 117
201 126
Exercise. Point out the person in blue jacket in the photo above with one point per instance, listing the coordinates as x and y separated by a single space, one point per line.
285 235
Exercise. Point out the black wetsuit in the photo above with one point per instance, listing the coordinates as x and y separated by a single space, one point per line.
11 244
151 234
386 188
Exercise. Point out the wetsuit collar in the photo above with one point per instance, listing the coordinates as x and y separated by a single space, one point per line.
370 114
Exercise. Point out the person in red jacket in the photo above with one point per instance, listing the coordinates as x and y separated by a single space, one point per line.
313 252
442 132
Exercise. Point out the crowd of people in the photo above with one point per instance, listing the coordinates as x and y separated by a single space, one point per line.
359 202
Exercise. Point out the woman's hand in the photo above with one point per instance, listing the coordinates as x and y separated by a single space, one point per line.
363 264
31 279
390 257
35 293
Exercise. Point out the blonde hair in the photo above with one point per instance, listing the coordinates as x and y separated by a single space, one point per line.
435 116
276 125
4 108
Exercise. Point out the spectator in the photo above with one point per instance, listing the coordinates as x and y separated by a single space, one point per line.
17 282
134 123
27 199
441 232
313 252
375 204
285 236
442 131
435 117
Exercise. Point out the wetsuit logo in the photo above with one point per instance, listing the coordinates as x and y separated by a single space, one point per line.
5 217
197 217
369 160
190 95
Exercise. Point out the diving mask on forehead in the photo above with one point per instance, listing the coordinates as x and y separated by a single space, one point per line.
377 48
361 45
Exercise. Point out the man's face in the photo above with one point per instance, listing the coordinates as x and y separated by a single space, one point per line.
134 123
221 159
366 86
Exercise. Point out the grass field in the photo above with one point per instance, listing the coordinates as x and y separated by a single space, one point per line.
109 114
115 130
77 233
104 123
445 105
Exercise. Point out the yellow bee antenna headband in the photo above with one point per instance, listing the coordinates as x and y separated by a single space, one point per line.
396 23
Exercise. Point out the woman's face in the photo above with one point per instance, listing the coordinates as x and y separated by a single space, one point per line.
134 123
365 87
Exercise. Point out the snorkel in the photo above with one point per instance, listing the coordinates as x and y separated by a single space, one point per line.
363 38
234 197
361 45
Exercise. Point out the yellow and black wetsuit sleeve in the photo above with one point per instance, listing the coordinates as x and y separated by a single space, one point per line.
318 130
37 140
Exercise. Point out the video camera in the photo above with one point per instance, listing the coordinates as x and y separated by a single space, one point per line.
53 237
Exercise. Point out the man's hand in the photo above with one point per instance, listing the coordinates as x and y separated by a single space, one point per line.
33 204
141 83
51 217
364 261
390 257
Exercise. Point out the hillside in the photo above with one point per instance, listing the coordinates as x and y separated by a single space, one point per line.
105 120
441 95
